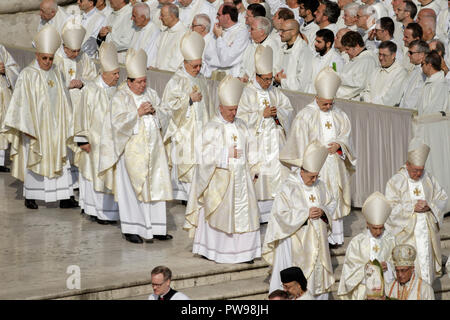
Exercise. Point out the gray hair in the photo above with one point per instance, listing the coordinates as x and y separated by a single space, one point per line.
264 24
421 46
352 9
173 9
204 20
142 9
52 4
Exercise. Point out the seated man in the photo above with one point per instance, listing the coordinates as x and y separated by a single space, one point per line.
267 112
418 202
297 232
370 245
408 285
295 284
161 278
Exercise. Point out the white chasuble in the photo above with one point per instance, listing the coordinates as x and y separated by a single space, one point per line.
419 229
168 56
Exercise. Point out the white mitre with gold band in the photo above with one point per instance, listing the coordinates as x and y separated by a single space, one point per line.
73 34
418 152
263 59
327 83
107 54
192 45
376 209
136 63
230 91
314 157
47 40
404 255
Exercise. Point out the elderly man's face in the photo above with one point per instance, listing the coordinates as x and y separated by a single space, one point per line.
348 19
319 13
338 38
138 85
375 230
228 112
264 80
45 60
139 20
325 104
309 178
166 17
111 77
415 57
414 172
385 57
85 4
70 53
293 288
361 21
404 274
256 33
46 12
159 284
193 67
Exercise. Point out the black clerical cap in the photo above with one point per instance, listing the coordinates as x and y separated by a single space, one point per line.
293 274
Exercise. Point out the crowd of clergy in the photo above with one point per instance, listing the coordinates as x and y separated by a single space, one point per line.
249 159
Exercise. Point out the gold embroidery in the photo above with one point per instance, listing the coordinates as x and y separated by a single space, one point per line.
51 83
416 192
195 88
312 198
328 125
266 103
71 72
234 137
376 248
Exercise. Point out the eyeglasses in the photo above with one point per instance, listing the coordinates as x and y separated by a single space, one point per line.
412 52
282 30
158 284
385 54
264 79
196 25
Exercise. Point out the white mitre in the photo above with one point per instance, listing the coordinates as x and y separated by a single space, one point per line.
418 152
404 255
47 40
192 45
107 54
376 209
73 34
230 91
263 59
327 83
314 157
136 63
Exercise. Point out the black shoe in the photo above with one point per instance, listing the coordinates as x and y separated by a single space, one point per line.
250 262
262 223
334 246
92 218
164 237
184 202
4 169
447 214
134 238
31 204
100 221
68 203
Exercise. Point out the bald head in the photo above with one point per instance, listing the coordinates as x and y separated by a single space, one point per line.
337 39
427 20
48 9
426 13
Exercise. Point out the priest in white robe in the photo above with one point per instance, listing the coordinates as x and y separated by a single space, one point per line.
95 199
418 202
190 8
132 147
51 14
408 284
147 32
321 120
186 103
372 244
9 71
222 211
39 119
91 20
168 56
268 113
299 224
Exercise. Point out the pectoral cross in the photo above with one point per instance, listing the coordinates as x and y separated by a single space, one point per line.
266 103
416 192
376 248
328 125
51 83
195 88
312 198
71 72
234 137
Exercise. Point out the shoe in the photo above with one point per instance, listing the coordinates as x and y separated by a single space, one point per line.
263 223
334 246
250 262
30 204
100 221
184 203
134 238
4 169
92 218
164 237
68 203
447 214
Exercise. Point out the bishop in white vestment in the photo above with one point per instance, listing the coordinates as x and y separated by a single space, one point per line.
39 119
222 211
372 244
299 225
95 199
268 113
132 147
418 204
321 120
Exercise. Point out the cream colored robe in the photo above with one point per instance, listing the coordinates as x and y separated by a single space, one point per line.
362 249
309 243
319 62
223 187
95 104
335 173
435 96
7 83
92 22
403 220
146 38
138 140
269 136
122 28
413 85
248 57
415 289
168 56
40 107
186 121
57 21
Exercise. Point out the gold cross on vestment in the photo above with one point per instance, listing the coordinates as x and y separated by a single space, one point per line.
71 72
234 137
416 192
266 103
376 248
312 198
51 83
328 125
195 88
